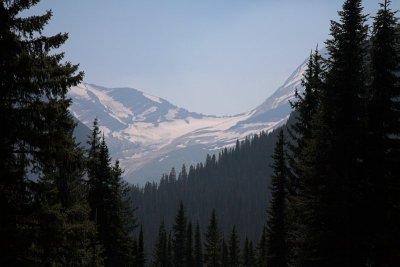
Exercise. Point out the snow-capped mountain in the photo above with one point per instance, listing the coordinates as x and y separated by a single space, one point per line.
149 135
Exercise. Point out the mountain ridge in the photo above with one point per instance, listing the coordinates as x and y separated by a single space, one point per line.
149 135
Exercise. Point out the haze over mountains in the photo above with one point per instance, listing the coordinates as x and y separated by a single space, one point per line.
149 135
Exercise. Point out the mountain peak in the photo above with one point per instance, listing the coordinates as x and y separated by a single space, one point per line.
149 135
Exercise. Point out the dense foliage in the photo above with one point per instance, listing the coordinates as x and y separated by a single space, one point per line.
50 216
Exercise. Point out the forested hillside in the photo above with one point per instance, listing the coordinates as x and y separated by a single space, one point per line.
235 183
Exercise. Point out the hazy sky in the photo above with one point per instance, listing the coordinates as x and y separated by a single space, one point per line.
219 57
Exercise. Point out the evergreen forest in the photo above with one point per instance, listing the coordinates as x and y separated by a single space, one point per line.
321 191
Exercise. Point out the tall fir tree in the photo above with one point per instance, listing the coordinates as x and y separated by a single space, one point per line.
179 241
303 187
212 245
383 155
40 163
334 192
110 208
278 252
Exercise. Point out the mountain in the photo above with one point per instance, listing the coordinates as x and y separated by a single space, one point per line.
149 135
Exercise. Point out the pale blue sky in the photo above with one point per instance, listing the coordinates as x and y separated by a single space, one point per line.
219 57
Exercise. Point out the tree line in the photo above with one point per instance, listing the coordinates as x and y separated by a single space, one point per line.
333 197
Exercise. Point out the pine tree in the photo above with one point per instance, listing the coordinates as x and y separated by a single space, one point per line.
277 253
198 251
110 207
179 240
333 194
66 235
161 248
305 106
383 155
40 163
212 253
302 188
234 249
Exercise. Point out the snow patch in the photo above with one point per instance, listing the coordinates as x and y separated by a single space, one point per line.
152 98
79 91
172 114
116 108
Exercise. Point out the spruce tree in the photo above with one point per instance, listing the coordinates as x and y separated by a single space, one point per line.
40 163
234 249
277 253
303 188
333 195
383 155
66 235
109 204
179 240
212 245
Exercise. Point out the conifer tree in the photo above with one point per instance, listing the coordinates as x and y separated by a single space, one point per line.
66 234
234 249
179 240
109 204
383 155
35 187
333 195
306 106
212 253
198 251
277 252
302 189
